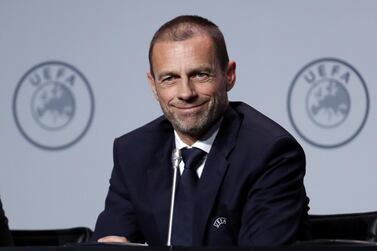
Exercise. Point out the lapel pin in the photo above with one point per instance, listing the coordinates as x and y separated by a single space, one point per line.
219 221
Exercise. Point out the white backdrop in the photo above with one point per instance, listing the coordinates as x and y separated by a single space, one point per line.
107 41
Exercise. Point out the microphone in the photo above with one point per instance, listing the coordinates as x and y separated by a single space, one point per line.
175 159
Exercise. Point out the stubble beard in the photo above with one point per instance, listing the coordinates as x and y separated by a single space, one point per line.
192 127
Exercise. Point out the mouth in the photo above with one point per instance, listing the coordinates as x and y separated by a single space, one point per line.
191 108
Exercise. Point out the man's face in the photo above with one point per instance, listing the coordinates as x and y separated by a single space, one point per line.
189 84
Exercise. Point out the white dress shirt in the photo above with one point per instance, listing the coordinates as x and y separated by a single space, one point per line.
204 144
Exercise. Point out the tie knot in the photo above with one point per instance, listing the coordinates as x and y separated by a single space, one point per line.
192 157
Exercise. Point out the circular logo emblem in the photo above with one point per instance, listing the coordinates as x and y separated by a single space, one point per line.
328 103
53 105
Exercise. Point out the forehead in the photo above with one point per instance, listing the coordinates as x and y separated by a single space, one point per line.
195 50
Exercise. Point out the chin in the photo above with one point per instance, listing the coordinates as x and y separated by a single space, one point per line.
195 129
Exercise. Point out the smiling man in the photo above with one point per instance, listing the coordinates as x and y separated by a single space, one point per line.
190 84
240 175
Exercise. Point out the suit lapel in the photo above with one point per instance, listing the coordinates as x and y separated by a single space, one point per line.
213 173
159 183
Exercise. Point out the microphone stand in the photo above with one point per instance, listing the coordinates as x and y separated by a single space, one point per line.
176 159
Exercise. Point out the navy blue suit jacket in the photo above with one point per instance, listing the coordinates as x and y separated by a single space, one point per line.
251 191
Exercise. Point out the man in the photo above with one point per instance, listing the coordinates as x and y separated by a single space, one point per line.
250 181
5 236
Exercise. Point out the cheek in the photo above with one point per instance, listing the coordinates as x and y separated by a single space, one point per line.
165 96
210 90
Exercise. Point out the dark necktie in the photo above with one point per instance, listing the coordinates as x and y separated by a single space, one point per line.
185 197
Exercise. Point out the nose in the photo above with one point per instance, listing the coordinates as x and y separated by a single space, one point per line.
186 90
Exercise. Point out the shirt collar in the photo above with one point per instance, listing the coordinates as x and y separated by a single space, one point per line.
205 143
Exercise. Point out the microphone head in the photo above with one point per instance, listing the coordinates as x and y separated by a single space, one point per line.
176 157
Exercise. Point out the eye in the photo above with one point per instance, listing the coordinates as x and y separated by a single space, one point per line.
167 80
201 76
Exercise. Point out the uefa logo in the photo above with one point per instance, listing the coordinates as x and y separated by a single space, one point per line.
328 103
53 105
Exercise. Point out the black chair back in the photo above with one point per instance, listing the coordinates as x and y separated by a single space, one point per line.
53 237
356 226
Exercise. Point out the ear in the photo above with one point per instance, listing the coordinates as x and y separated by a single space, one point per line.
231 75
152 84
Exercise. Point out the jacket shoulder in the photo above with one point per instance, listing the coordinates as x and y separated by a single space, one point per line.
255 122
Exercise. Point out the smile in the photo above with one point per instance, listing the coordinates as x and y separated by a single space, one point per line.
190 108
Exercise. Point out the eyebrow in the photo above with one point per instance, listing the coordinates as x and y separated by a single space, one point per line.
200 68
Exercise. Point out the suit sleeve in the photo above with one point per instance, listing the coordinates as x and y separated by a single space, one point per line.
276 208
119 216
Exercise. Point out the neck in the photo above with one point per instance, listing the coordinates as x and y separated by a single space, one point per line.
190 139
